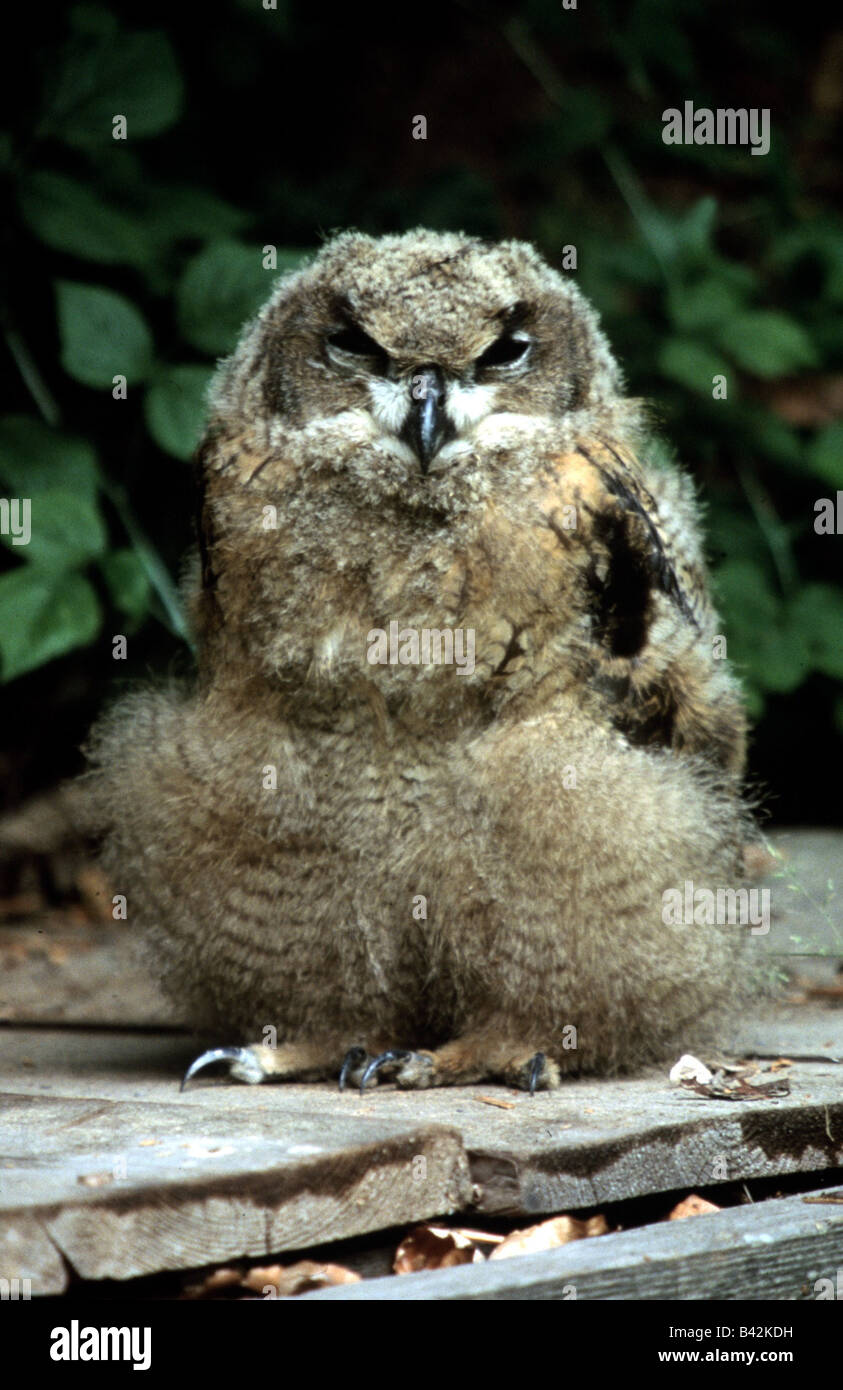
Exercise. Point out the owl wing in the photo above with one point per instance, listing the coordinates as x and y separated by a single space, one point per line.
650 655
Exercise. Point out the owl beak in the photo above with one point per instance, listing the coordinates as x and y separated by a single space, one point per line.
427 427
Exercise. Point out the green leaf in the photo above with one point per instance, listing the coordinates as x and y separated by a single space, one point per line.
692 365
761 634
704 304
127 582
695 229
68 216
67 531
222 286
767 343
42 616
102 335
175 408
824 456
765 436
106 74
817 611
35 458
177 213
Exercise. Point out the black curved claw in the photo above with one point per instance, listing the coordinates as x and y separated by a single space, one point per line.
536 1064
354 1058
394 1055
214 1054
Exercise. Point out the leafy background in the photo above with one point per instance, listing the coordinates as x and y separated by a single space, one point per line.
250 127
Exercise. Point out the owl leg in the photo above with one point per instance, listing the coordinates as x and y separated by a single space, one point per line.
467 1060
286 1062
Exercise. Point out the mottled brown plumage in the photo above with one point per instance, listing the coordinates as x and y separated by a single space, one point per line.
431 430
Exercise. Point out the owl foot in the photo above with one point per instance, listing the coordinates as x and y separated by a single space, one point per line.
460 1063
287 1062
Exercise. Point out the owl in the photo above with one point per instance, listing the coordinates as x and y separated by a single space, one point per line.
460 723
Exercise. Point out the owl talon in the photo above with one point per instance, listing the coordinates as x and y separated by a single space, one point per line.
385 1059
536 1067
536 1074
354 1066
243 1064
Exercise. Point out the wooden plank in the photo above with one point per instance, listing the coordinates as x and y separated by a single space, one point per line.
777 1249
56 971
122 1189
590 1143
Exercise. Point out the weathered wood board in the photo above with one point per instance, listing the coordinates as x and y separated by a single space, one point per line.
103 1164
103 1160
779 1249
57 971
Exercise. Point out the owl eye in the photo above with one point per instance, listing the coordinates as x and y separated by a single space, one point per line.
505 351
353 342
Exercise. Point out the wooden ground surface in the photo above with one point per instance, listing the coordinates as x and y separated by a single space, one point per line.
106 1170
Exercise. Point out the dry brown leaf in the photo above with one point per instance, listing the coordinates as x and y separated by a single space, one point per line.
481 1237
298 1278
724 1087
779 1064
283 1281
218 1279
560 1230
434 1247
501 1104
692 1206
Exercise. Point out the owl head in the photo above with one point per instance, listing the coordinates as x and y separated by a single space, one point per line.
384 443
419 348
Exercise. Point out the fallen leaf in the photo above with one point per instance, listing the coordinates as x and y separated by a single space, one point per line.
692 1206
282 1280
501 1104
218 1279
723 1087
298 1278
690 1068
780 1063
434 1247
560 1230
481 1237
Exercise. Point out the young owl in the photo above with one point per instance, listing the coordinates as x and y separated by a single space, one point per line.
459 721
